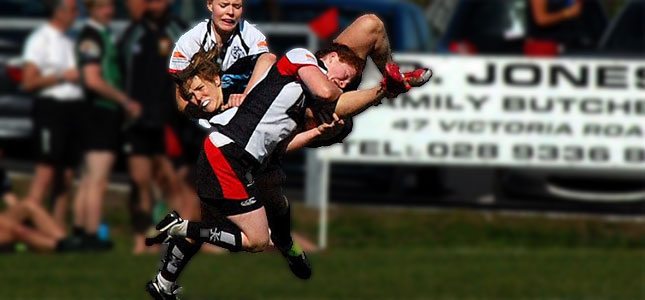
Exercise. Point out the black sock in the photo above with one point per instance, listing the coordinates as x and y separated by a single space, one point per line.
177 255
280 225
222 233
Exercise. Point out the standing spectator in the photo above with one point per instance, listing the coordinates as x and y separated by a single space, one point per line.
553 27
50 73
101 80
145 50
136 9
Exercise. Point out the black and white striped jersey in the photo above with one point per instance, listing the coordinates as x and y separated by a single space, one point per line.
271 112
237 58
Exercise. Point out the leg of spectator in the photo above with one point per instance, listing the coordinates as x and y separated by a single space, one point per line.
40 183
168 180
43 222
35 239
99 165
62 194
141 174
80 206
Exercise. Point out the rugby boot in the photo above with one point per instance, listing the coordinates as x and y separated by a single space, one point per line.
298 262
418 77
157 293
393 81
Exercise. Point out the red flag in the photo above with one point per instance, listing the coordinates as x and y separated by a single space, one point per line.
326 24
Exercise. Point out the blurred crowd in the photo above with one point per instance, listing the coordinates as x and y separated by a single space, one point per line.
98 95
101 94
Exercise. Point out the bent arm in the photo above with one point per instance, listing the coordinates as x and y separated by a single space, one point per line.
95 82
264 62
355 102
318 85
303 139
545 18
34 81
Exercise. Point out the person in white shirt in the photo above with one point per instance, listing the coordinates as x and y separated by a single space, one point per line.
50 73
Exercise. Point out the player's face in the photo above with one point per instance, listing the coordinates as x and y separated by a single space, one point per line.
226 14
206 94
339 72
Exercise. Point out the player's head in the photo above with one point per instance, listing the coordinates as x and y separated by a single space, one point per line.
343 65
157 8
200 82
136 8
101 11
226 14
62 11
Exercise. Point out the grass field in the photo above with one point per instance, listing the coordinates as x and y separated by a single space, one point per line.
374 254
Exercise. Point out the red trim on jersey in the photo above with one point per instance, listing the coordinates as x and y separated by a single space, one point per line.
287 68
173 145
232 187
173 71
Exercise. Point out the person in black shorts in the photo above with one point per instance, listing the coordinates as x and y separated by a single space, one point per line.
145 49
107 103
50 74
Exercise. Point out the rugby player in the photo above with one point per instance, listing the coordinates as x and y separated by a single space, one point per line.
247 135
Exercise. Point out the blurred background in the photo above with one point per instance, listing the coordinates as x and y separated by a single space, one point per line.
550 206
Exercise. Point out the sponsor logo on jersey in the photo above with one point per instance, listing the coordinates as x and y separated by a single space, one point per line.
237 52
248 202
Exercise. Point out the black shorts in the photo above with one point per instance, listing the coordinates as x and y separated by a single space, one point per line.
224 179
144 141
58 131
103 129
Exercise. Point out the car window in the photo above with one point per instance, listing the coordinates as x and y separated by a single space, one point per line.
628 33
22 9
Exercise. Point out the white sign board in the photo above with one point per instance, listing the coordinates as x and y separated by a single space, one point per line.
577 113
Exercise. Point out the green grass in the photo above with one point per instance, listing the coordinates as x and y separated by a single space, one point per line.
375 254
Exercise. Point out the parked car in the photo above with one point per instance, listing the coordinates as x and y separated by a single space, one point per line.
499 26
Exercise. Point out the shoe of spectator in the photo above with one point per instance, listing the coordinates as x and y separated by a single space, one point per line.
70 244
157 293
93 244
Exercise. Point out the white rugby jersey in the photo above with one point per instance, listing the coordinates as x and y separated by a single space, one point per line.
238 55
272 111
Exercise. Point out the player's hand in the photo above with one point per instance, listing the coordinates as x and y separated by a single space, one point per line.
235 100
71 75
133 109
328 130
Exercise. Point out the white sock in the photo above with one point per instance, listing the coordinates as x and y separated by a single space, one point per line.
165 285
180 229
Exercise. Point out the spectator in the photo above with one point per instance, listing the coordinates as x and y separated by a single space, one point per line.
50 73
553 26
101 80
145 51
136 9
47 234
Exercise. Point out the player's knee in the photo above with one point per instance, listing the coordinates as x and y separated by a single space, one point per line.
371 23
258 243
